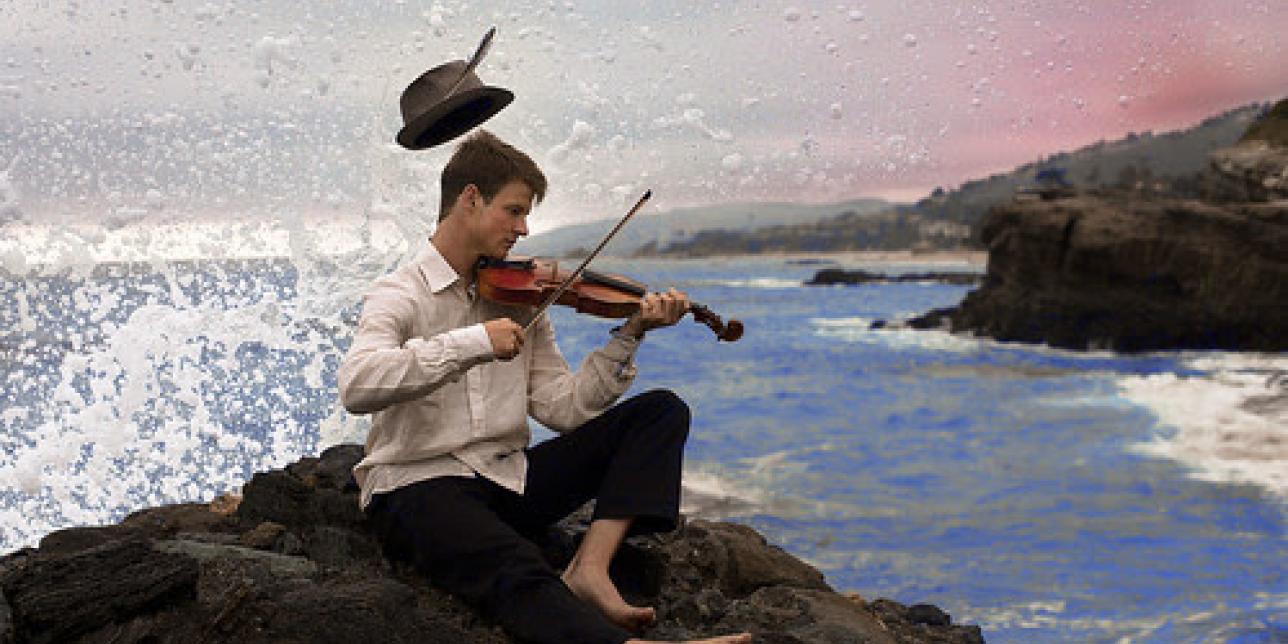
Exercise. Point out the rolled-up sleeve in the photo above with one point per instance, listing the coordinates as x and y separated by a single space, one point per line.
386 366
562 399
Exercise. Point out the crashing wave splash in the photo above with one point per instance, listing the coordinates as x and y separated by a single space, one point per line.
1228 423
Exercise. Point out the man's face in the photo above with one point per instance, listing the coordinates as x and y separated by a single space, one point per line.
503 220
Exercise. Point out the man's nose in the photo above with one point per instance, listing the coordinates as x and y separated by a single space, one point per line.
521 226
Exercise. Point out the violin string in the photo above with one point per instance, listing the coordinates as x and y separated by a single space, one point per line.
572 277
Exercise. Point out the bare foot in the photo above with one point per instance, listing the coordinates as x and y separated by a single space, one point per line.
740 638
596 588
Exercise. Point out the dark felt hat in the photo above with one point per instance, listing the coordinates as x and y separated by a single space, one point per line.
448 101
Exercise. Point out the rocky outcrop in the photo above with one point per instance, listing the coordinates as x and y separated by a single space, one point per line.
291 560
1271 128
840 276
1132 275
1254 170
1131 272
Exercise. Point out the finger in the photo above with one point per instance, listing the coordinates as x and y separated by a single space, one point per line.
663 310
664 306
676 305
649 307
682 297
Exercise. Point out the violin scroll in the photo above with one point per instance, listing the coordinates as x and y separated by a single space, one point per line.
729 332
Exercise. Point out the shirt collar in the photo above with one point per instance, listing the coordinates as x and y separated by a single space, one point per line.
438 274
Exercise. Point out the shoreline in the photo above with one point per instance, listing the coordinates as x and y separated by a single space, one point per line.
954 257
969 257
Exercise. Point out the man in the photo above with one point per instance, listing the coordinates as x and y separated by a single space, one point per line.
449 480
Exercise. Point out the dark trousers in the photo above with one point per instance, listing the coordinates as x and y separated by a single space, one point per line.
474 538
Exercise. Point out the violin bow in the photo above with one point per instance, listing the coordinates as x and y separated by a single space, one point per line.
572 277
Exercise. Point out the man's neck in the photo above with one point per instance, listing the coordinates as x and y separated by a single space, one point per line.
462 261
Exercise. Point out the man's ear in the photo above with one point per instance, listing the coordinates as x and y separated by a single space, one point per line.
471 196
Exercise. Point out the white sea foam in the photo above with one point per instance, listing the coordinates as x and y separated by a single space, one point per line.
145 431
842 326
754 282
1228 424
179 400
1052 614
754 486
859 329
1215 624
59 247
711 496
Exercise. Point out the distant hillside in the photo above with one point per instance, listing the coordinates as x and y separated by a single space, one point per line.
682 224
1272 128
1161 164
886 230
1164 163
1170 159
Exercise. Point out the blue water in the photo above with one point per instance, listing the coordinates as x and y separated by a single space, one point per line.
999 482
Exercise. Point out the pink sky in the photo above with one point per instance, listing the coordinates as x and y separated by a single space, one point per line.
703 102
1057 78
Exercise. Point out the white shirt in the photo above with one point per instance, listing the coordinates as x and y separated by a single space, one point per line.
422 362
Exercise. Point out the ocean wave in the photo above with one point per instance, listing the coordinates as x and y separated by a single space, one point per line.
711 496
1227 422
1220 623
859 329
54 248
753 486
754 282
176 404
898 335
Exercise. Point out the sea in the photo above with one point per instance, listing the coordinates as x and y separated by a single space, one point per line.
1043 494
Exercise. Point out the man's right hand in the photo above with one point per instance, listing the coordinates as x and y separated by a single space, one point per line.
506 336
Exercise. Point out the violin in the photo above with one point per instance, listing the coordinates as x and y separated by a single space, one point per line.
533 281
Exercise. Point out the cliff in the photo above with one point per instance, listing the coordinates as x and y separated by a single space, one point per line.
1130 270
291 560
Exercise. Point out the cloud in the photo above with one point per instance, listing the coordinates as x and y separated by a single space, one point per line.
810 102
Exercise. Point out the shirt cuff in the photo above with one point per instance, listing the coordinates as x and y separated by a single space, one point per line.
621 349
473 342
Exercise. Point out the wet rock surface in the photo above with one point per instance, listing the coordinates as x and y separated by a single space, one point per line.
1131 271
841 276
293 561
1095 273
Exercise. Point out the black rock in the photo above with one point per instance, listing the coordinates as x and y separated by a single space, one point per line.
929 615
1133 272
296 562
839 276
1095 272
57 597
832 276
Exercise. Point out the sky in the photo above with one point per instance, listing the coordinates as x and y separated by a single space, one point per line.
131 111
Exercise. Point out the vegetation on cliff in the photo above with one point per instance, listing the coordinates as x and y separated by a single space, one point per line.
1172 164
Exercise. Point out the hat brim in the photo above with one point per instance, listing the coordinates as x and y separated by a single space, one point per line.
453 117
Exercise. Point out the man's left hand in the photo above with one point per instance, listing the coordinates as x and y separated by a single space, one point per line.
657 310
